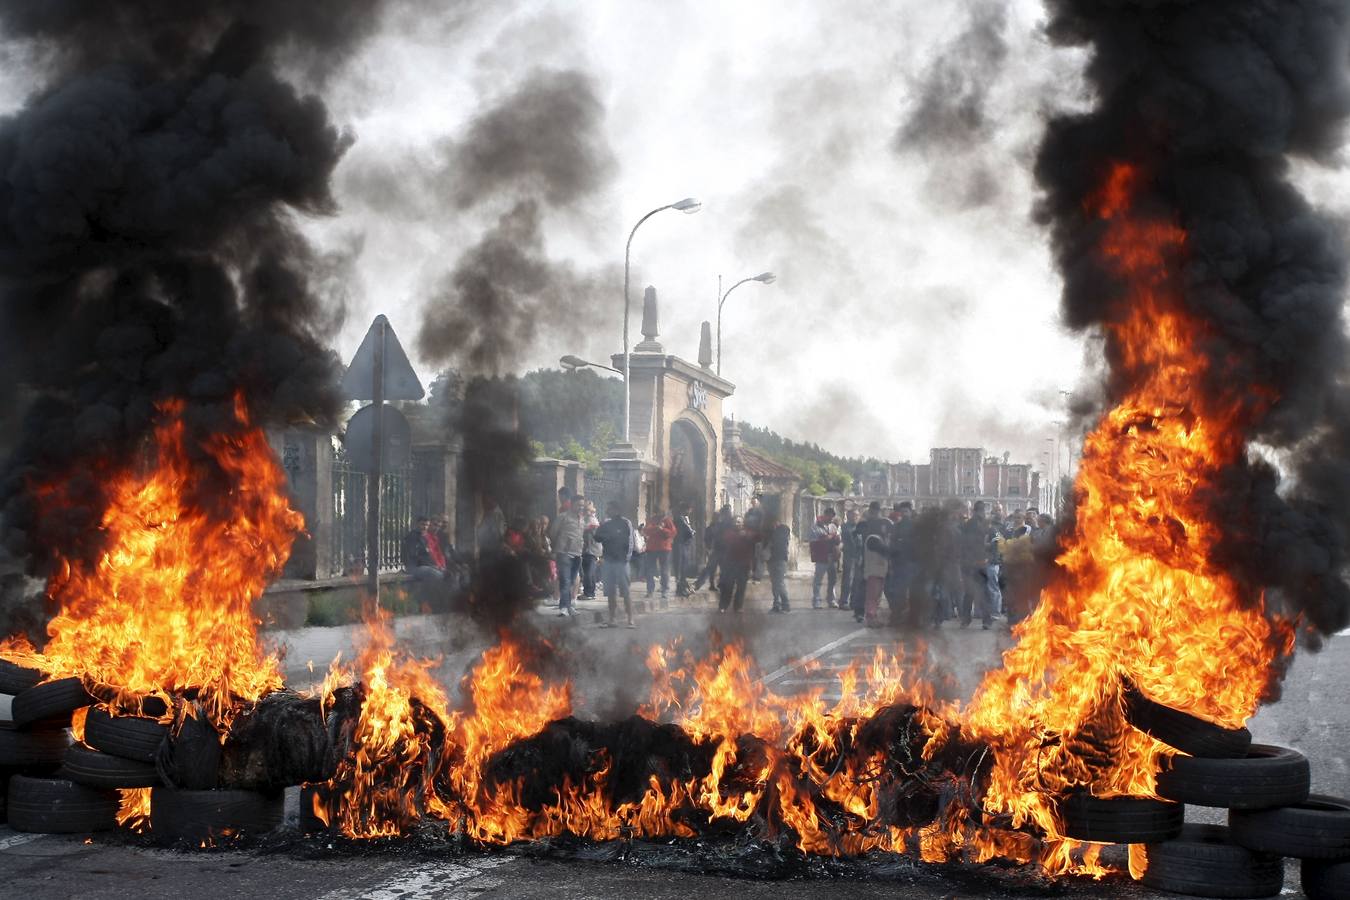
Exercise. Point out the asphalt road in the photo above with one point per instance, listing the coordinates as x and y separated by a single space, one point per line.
607 667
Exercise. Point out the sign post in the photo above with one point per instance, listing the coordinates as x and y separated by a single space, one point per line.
379 371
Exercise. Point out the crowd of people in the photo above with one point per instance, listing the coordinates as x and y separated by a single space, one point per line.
959 561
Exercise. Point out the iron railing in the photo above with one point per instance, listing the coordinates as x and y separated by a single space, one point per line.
348 534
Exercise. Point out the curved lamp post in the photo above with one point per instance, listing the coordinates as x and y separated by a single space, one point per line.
687 205
762 278
572 363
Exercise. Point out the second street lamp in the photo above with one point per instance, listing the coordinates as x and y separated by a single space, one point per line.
762 278
687 205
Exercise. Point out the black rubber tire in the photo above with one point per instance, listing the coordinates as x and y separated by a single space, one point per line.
91 768
1266 777
15 679
59 806
1203 862
1119 820
1317 828
53 700
1324 880
34 747
1184 731
198 816
130 737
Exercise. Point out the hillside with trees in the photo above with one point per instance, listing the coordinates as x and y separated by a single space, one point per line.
820 470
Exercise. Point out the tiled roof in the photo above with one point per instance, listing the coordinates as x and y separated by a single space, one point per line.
757 464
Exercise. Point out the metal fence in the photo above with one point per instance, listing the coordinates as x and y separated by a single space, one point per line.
348 534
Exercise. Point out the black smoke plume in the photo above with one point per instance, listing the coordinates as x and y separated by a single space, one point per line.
148 247
542 146
1212 98
950 123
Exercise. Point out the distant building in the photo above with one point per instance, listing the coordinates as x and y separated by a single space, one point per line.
954 473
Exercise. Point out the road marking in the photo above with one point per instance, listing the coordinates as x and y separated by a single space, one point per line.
18 840
778 673
425 882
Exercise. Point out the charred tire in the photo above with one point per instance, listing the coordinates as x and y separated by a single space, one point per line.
15 679
196 816
34 747
130 737
1266 777
101 770
1317 828
54 699
1203 862
1119 820
1323 880
59 806
1184 731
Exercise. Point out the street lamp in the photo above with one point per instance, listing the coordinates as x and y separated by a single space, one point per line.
762 278
572 363
687 205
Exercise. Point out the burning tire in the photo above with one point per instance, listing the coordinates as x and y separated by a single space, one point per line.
100 770
16 679
1267 777
199 816
1317 828
1183 731
130 737
1119 820
1322 880
34 747
58 806
1203 862
49 701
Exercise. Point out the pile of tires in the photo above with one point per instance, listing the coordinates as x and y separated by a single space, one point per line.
35 720
1271 814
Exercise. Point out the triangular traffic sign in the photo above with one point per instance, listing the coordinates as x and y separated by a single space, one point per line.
400 381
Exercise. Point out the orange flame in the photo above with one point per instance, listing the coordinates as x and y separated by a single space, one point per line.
1141 597
167 607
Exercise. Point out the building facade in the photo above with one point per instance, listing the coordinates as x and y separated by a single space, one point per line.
955 473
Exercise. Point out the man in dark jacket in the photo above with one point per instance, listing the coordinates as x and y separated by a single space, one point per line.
873 535
900 577
615 536
976 540
712 539
737 555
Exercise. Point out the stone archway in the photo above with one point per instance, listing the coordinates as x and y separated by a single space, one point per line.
688 470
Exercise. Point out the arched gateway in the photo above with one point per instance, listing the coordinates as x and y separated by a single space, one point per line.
675 452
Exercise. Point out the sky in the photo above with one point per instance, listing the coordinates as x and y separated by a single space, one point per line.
875 155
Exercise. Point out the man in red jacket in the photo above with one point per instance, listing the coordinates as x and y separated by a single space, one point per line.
660 537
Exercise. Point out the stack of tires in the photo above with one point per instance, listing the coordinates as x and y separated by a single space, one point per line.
34 742
1271 815
191 807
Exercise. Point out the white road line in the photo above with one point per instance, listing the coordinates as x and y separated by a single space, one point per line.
425 882
18 840
778 673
